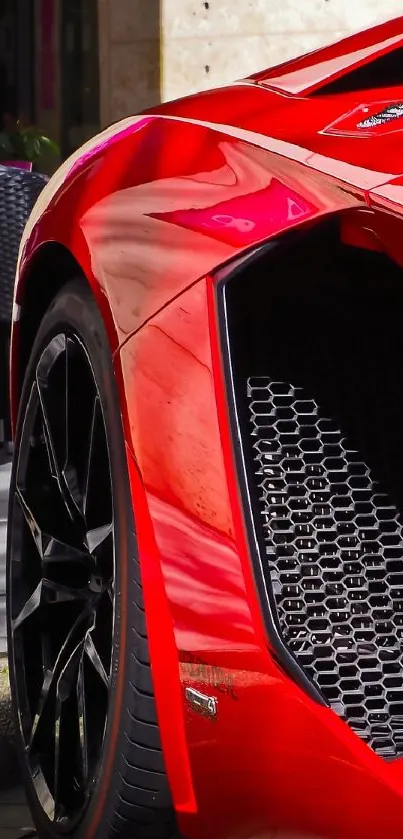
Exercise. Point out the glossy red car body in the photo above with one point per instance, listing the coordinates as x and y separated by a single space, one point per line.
150 210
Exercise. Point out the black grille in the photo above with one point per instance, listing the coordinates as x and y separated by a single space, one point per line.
334 548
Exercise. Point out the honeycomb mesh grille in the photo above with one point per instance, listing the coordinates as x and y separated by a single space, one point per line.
334 549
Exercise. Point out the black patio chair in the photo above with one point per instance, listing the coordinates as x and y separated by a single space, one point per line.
19 190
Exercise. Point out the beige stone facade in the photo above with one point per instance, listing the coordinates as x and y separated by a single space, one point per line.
161 49
130 57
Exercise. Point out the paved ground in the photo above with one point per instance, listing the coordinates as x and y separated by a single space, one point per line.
15 821
5 468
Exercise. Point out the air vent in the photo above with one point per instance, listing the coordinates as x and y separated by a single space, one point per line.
383 72
315 350
333 545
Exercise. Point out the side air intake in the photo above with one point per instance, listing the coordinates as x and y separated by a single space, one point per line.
316 355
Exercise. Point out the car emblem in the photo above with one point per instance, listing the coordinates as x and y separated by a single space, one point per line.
205 705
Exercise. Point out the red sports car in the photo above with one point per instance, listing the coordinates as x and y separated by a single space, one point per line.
205 548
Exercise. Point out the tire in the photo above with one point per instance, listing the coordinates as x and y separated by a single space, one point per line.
86 774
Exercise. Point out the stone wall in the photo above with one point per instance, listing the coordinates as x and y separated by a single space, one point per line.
152 49
130 56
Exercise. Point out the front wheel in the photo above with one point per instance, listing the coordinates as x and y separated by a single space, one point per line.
79 666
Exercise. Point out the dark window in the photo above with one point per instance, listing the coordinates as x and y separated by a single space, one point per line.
16 58
80 73
386 71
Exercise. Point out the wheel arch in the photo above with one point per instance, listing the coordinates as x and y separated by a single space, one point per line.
50 268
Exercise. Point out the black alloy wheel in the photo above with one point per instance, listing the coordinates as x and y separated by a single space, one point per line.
62 584
70 525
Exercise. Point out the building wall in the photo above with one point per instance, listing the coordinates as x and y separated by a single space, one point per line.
208 43
130 56
162 49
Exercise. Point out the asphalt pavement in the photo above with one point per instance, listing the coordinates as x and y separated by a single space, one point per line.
5 469
15 821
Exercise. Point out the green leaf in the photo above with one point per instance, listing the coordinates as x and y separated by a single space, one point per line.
5 143
36 145
30 150
25 143
49 145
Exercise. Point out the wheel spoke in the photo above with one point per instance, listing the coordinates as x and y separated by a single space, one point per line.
57 460
73 491
59 593
31 521
51 678
69 674
96 538
55 351
49 548
94 658
48 682
59 476
50 593
54 467
70 472
91 451
31 606
68 679
27 430
82 721
59 552
97 508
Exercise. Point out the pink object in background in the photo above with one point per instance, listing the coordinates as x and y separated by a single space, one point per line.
18 164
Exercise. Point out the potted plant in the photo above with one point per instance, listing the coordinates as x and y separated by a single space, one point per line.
23 145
